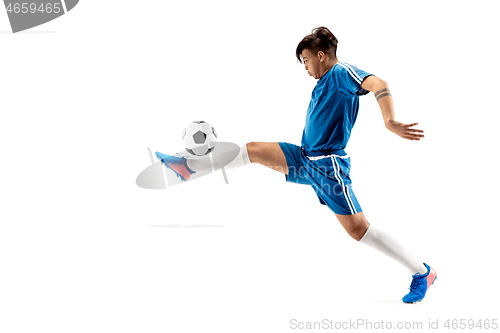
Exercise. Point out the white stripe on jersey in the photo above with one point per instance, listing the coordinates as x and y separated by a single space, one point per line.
349 69
359 77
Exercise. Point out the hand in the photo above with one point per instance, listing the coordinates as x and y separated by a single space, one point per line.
404 130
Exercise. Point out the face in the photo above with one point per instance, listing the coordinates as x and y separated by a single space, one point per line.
312 63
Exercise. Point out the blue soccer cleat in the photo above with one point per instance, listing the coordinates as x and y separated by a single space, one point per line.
176 164
419 285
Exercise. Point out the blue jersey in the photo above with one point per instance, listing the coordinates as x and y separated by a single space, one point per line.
333 110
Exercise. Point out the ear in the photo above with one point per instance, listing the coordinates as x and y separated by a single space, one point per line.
321 55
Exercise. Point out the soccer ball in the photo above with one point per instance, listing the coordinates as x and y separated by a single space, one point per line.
199 138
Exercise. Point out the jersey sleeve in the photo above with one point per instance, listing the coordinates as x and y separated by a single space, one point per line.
351 78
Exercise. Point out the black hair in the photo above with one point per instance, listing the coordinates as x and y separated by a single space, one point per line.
320 39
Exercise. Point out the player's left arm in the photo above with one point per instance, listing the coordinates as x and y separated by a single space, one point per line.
384 98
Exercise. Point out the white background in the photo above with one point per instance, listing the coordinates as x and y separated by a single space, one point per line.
83 249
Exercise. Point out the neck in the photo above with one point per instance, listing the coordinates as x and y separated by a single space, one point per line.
328 65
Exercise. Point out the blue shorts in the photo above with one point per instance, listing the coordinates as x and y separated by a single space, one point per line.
327 174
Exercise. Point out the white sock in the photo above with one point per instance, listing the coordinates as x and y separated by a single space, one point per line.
388 245
204 163
241 160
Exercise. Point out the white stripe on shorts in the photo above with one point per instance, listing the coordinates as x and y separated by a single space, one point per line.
315 158
345 189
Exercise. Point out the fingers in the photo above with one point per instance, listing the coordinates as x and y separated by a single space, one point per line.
408 133
415 130
411 132
411 136
416 135
412 129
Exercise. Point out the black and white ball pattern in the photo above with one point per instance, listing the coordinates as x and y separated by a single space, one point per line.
199 138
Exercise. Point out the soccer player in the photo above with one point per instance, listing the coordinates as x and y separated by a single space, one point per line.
321 161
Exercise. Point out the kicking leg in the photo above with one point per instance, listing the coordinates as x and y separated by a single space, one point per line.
268 154
204 164
265 153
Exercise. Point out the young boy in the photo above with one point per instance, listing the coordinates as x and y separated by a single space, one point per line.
321 160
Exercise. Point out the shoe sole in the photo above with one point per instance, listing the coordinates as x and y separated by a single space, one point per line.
425 293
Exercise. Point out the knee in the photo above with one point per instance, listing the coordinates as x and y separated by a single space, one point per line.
358 230
253 152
